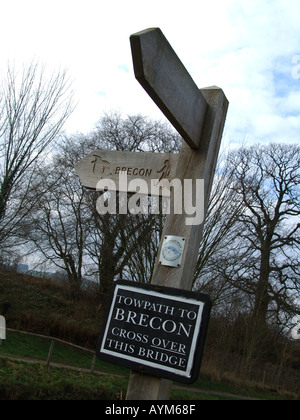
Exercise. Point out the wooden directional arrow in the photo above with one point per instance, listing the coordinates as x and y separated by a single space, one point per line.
107 164
166 80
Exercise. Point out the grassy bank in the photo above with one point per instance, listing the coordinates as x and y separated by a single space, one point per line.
31 347
20 380
43 307
23 381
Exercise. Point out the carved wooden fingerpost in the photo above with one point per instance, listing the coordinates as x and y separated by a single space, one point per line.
199 116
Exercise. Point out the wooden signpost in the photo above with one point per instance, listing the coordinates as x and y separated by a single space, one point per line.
196 162
199 116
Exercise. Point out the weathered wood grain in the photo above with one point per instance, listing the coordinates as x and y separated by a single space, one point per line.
107 164
192 164
161 73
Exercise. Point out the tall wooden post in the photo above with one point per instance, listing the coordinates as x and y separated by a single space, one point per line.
199 116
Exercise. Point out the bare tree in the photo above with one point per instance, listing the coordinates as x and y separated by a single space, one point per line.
249 259
66 227
126 245
33 109
220 230
58 225
268 183
251 238
135 133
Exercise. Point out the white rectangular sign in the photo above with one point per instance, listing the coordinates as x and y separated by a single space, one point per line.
172 251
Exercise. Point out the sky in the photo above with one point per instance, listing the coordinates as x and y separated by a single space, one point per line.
249 48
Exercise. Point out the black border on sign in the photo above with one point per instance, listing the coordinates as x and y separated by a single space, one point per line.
142 366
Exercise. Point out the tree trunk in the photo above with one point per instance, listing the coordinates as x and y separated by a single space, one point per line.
262 298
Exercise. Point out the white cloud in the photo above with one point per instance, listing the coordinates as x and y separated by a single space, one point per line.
246 48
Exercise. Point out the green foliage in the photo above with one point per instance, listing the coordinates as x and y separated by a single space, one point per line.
22 381
39 306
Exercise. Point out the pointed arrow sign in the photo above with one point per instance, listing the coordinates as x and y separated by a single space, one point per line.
108 164
161 73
